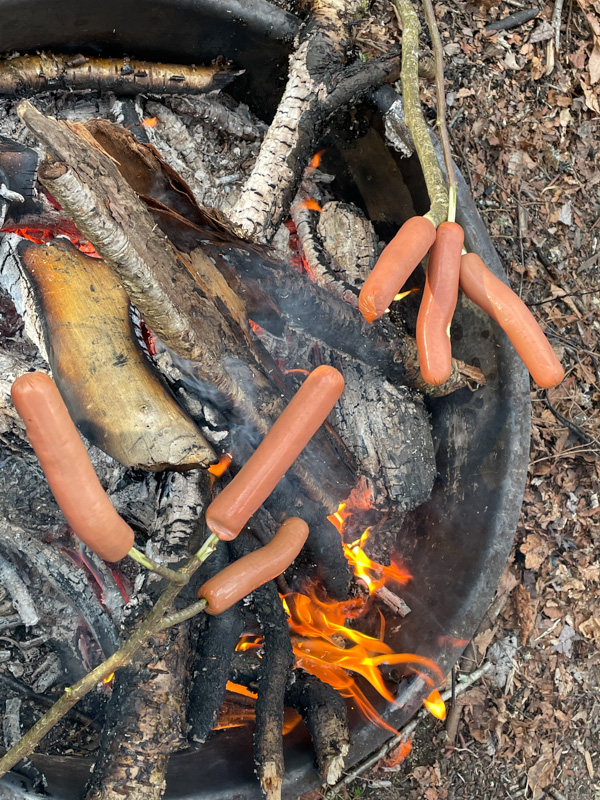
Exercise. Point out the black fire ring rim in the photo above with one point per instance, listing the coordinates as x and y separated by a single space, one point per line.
478 525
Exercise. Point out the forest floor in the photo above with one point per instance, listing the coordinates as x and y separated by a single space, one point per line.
528 142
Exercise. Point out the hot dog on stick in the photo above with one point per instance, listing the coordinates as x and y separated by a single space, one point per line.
305 413
251 571
67 467
437 307
394 266
510 312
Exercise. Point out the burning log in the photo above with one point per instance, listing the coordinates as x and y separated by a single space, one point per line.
146 715
32 74
277 663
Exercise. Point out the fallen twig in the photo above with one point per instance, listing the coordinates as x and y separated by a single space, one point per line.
406 731
513 20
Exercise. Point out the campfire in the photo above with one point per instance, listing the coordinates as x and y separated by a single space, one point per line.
177 337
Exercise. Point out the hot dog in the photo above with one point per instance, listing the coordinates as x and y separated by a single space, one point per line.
394 265
510 312
305 413
437 306
251 571
67 467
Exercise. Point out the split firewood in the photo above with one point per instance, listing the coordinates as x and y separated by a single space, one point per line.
318 83
277 663
112 393
146 715
47 71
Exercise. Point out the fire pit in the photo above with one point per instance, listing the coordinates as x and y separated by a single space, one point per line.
456 544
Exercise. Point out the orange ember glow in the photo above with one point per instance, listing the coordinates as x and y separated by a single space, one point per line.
311 204
402 295
435 705
325 647
234 718
256 328
46 233
221 466
150 122
315 161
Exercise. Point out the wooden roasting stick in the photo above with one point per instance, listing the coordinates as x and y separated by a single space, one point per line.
44 72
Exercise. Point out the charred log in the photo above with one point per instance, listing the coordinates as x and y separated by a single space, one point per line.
277 663
218 636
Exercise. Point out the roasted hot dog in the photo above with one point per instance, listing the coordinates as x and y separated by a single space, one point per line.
251 571
394 266
437 306
67 467
510 312
305 413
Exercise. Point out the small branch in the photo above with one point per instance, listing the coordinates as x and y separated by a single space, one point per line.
121 658
182 616
40 73
438 196
440 91
165 572
392 601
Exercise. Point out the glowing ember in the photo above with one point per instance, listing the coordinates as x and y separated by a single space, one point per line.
291 371
150 122
311 204
46 233
221 466
435 705
402 295
256 328
340 516
234 718
108 679
315 161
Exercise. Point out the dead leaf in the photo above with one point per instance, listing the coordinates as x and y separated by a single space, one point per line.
594 64
483 640
526 610
565 641
565 215
541 773
536 550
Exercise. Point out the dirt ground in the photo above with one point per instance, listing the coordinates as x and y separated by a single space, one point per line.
528 141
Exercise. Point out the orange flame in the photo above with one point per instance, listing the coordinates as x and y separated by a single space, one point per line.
43 234
370 572
109 679
238 688
315 161
221 466
235 718
150 122
320 648
311 204
249 641
402 295
435 705
396 756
